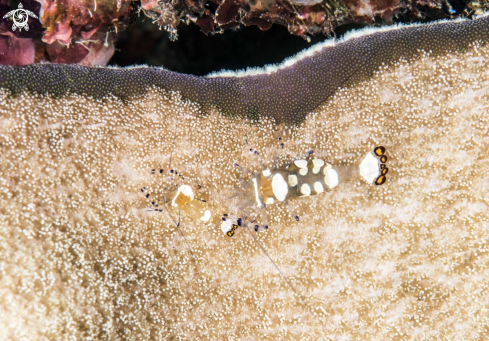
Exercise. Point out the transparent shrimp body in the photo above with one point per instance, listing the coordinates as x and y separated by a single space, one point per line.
301 177
179 197
309 177
185 200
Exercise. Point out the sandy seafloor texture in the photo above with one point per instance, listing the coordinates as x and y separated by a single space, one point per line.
82 259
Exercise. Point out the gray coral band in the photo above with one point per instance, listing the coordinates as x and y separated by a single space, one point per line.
287 95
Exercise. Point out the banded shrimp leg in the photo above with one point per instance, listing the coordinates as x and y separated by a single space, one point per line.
280 183
301 176
243 221
275 186
179 194
264 188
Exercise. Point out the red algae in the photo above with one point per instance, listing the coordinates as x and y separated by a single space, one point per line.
83 31
73 32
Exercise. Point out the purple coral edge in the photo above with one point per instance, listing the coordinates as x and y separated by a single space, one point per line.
287 95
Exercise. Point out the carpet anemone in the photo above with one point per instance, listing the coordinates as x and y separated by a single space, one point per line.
83 258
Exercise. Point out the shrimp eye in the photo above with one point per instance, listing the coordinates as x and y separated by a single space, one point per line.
383 159
379 151
384 170
380 180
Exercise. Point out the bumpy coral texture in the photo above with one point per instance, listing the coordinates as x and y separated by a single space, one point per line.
286 95
82 258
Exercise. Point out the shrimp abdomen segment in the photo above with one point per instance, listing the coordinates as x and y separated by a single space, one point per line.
309 177
185 200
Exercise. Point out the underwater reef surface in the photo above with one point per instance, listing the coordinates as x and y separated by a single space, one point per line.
82 258
83 32
64 31
301 17
287 94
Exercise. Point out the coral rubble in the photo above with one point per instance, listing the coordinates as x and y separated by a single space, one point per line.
301 17
83 31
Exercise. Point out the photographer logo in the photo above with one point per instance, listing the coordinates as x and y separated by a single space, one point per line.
20 17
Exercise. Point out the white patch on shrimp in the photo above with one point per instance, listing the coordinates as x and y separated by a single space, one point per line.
185 190
279 187
306 189
318 187
369 168
226 226
330 176
292 178
300 163
206 216
318 163
257 197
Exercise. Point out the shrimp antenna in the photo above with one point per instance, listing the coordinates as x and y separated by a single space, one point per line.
183 235
303 302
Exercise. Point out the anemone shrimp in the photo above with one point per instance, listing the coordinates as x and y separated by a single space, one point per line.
179 196
300 177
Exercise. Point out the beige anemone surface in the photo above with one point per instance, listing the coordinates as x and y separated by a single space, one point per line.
81 258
